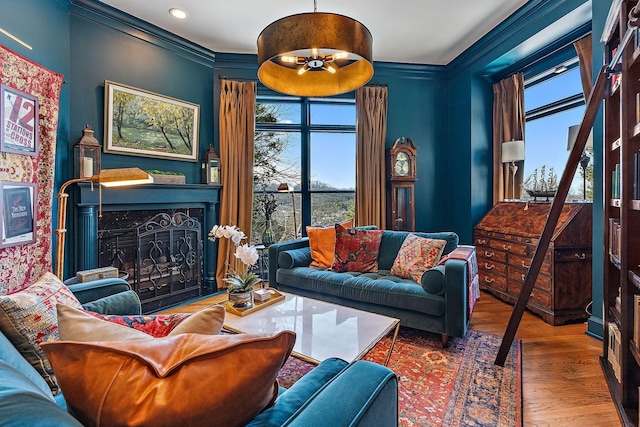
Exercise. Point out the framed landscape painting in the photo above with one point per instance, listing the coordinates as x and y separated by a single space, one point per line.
18 219
142 123
18 121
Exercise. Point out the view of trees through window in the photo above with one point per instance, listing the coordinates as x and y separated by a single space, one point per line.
310 145
554 102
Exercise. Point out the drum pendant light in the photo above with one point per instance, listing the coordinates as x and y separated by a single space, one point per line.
315 54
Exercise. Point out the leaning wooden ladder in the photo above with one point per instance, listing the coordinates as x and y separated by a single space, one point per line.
593 104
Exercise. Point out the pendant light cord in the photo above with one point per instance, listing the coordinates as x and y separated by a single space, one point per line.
315 6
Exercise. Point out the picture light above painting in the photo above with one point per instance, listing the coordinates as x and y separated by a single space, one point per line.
142 123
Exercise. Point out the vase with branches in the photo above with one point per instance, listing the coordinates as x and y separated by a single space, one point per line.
268 205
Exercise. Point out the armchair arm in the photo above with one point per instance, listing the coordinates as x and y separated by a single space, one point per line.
274 252
91 291
370 389
107 296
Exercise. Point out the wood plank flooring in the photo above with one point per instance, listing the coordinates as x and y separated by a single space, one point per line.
562 382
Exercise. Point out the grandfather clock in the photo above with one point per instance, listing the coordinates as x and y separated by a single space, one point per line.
401 176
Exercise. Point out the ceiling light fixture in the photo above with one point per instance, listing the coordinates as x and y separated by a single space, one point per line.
178 13
315 54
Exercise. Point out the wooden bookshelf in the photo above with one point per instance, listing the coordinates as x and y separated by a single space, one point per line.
621 355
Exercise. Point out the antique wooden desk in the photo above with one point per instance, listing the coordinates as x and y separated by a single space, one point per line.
506 240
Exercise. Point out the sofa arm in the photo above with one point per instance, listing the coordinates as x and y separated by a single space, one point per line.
274 253
371 391
455 297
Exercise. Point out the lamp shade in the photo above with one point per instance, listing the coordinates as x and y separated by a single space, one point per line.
512 151
573 135
285 188
315 54
123 177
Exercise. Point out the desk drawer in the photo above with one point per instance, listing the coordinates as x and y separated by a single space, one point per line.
517 275
493 281
491 254
525 262
510 247
537 296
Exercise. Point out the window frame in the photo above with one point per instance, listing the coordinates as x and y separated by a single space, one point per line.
305 128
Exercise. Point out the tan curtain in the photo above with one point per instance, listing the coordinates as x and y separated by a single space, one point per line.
371 129
237 125
508 125
585 58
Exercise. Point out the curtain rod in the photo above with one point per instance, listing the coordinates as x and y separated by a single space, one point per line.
249 79
241 79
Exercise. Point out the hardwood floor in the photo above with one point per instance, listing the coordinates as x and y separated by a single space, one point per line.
562 382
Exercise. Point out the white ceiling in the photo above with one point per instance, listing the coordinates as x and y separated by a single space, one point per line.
409 31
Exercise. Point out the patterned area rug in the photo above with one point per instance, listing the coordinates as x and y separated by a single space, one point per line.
456 386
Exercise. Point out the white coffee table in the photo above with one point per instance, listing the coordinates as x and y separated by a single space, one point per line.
323 330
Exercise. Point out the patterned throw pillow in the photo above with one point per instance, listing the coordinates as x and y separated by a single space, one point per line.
417 255
356 250
322 244
28 318
84 326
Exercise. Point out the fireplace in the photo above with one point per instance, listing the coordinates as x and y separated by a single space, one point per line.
155 235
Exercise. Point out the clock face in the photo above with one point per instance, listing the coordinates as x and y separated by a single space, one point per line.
401 166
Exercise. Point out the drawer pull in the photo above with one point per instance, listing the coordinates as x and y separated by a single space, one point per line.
506 247
522 277
488 266
488 254
581 256
488 279
482 241
525 265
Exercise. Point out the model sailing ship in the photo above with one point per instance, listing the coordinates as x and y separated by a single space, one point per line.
546 186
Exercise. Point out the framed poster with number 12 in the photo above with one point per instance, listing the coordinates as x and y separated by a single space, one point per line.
18 121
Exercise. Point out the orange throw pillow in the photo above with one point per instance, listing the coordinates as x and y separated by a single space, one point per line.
322 243
187 379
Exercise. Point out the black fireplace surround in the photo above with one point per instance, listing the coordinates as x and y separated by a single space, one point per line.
156 235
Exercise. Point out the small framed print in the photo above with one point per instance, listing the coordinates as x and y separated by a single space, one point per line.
18 121
18 215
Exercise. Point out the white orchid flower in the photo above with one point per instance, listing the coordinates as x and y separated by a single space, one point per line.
247 254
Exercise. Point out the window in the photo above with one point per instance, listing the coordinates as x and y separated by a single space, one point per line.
311 144
554 102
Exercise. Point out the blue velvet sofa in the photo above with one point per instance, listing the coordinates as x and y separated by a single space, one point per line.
438 304
371 390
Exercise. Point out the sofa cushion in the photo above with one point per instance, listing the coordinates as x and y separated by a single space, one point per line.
294 258
179 380
356 249
28 318
378 288
392 242
417 255
78 325
434 280
322 243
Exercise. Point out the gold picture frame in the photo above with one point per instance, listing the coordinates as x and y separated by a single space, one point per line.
143 123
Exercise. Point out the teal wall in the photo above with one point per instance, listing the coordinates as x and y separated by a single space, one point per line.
445 110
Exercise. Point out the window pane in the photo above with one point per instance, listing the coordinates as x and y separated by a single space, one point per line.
333 161
333 114
330 208
275 112
276 159
546 145
282 219
554 89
